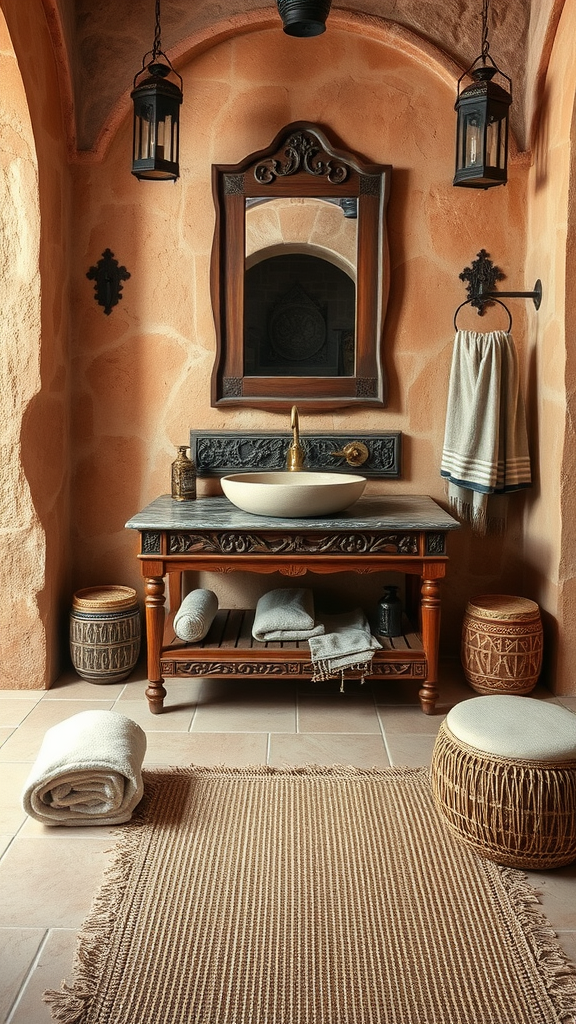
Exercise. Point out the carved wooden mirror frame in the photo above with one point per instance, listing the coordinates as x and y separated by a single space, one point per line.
299 162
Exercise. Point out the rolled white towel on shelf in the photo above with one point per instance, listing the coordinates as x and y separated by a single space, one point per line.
88 771
286 614
195 615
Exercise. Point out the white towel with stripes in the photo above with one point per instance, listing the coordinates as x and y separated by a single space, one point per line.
486 442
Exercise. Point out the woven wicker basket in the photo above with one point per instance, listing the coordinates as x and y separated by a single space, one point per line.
105 633
502 644
519 813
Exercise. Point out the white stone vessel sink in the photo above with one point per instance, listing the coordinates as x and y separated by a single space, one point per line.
292 495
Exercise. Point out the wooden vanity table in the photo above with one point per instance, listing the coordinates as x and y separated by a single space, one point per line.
399 533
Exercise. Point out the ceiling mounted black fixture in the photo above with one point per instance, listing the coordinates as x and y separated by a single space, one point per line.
482 125
304 17
157 100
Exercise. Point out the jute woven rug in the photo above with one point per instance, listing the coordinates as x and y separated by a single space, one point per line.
309 896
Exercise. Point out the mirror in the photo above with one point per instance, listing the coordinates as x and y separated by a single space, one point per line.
299 276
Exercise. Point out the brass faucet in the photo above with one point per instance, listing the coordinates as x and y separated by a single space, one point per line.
295 454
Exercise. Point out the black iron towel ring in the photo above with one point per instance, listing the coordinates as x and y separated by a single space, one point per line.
493 299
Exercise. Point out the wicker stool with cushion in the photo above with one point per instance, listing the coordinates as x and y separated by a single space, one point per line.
504 779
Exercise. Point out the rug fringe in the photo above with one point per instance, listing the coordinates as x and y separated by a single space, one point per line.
558 973
70 1004
320 770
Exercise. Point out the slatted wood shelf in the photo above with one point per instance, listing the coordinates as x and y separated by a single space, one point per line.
229 649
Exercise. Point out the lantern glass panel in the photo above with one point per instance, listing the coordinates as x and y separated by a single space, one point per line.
473 139
493 145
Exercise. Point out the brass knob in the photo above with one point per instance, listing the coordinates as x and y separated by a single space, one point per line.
355 453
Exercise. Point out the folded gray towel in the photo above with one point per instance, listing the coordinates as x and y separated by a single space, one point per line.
88 771
347 643
285 614
195 615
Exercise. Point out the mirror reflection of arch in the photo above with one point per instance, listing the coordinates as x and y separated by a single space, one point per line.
300 287
300 276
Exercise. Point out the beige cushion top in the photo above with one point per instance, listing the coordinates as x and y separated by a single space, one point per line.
514 726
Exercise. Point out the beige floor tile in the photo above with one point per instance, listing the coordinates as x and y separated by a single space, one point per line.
327 748
396 691
179 692
337 714
25 743
71 687
331 688
12 779
567 941
279 690
173 719
568 702
209 748
32 829
396 720
13 712
54 963
226 708
409 749
13 694
18 948
557 889
5 735
45 882
5 843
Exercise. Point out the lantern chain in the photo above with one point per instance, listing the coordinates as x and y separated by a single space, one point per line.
157 48
485 43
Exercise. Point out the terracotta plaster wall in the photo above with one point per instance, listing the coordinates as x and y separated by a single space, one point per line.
34 469
550 532
142 375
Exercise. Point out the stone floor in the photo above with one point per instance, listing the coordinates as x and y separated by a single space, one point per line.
48 875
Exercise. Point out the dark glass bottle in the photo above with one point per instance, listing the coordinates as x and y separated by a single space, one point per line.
389 613
183 476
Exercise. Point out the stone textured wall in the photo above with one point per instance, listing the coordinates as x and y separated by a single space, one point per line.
550 537
142 375
135 382
35 463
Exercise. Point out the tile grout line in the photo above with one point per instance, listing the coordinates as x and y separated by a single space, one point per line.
31 968
382 732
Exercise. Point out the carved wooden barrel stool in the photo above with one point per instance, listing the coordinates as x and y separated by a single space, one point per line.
504 779
502 644
105 633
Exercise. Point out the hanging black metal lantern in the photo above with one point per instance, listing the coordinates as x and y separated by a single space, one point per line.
157 99
482 125
304 17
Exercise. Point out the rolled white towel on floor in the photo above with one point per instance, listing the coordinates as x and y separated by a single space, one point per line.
88 771
195 615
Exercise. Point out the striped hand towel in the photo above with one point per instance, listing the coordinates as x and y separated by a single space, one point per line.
486 442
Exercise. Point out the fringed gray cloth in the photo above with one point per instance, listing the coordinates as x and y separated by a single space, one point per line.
346 645
486 442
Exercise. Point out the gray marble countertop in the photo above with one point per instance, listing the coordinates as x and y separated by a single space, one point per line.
382 512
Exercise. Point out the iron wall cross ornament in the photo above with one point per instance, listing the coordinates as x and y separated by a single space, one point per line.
482 277
108 275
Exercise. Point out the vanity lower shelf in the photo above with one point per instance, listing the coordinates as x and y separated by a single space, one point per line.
229 649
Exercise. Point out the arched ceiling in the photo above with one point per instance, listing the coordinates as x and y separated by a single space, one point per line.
104 42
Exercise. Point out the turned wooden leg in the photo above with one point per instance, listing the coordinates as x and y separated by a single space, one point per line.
155 692
430 611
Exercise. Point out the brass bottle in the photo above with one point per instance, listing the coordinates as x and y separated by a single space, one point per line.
183 476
